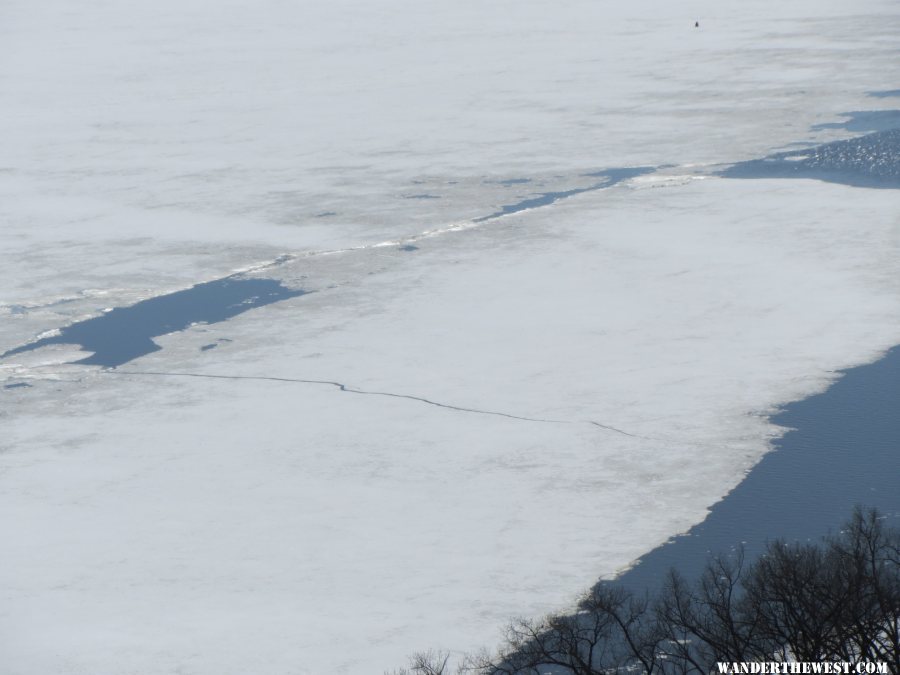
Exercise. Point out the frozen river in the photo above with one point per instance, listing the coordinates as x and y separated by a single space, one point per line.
843 451
333 332
842 447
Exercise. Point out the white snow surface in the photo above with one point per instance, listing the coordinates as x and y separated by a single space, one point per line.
548 395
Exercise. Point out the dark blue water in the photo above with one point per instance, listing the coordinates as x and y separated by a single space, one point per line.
614 176
511 181
871 161
610 176
887 93
126 333
844 451
868 120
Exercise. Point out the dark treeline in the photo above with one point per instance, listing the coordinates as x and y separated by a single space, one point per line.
835 601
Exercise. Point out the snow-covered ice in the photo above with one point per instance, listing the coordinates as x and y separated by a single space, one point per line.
461 420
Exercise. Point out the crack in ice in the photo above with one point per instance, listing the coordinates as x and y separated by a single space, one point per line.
352 390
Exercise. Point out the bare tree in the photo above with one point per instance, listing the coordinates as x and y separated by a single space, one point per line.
707 622
425 663
866 556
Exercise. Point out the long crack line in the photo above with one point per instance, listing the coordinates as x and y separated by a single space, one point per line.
351 390
618 431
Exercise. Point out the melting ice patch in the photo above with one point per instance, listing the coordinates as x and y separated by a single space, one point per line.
123 334
868 161
611 176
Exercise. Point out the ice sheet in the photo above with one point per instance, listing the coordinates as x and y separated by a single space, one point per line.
439 437
155 517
